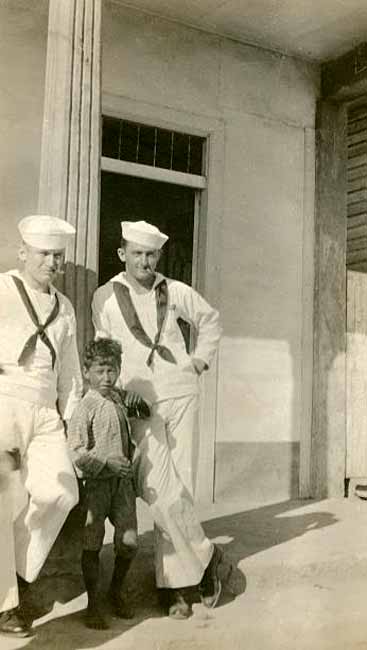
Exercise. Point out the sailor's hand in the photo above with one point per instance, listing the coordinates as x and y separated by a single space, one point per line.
9 461
136 406
199 365
15 455
131 399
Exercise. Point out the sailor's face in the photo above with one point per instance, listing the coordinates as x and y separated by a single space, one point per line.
141 261
41 266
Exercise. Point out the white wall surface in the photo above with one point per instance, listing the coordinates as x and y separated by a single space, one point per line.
23 38
265 102
261 297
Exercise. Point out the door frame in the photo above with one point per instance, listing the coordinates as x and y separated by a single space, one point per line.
206 245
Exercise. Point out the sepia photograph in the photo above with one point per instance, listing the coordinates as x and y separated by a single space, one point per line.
183 324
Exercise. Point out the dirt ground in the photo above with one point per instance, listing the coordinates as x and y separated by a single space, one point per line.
299 581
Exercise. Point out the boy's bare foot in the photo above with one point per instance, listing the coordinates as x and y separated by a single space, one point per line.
95 620
120 607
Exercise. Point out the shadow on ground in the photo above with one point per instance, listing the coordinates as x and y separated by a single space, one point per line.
241 535
258 529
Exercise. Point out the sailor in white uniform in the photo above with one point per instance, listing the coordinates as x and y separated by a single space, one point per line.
40 384
150 316
8 584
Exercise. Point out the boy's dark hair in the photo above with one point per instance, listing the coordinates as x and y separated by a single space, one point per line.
102 350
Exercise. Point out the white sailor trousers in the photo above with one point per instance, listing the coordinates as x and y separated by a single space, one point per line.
45 489
8 578
164 477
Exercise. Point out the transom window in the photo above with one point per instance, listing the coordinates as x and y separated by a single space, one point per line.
150 145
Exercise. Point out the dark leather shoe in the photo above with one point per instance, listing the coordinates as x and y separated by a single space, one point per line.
174 602
210 587
13 623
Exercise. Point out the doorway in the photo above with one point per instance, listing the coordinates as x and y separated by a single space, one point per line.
169 207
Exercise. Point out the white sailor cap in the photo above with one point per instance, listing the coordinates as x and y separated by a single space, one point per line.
46 232
143 233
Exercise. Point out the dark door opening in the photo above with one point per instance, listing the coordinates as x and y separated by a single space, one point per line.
169 207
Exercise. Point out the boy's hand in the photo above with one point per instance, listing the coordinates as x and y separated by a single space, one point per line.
120 466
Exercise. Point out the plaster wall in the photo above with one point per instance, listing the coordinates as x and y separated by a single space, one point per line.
23 39
264 102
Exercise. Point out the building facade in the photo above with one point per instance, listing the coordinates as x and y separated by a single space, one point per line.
71 69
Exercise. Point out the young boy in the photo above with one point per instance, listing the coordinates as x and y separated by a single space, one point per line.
102 452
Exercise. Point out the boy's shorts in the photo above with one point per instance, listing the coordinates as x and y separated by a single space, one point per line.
114 498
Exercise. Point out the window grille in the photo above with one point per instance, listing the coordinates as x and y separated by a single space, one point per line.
150 145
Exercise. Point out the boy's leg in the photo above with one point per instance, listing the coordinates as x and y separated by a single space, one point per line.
123 518
90 568
97 503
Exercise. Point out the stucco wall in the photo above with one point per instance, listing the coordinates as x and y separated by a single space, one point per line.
23 38
263 105
265 102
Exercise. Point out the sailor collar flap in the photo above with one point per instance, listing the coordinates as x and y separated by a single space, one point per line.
30 345
131 318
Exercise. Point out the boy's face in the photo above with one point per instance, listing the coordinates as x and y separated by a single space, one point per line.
102 375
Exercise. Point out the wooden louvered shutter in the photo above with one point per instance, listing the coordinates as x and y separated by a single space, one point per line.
357 188
356 360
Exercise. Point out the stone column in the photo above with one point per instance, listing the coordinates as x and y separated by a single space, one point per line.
70 161
69 189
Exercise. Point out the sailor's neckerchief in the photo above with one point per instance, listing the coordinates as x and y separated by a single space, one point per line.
132 320
30 345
